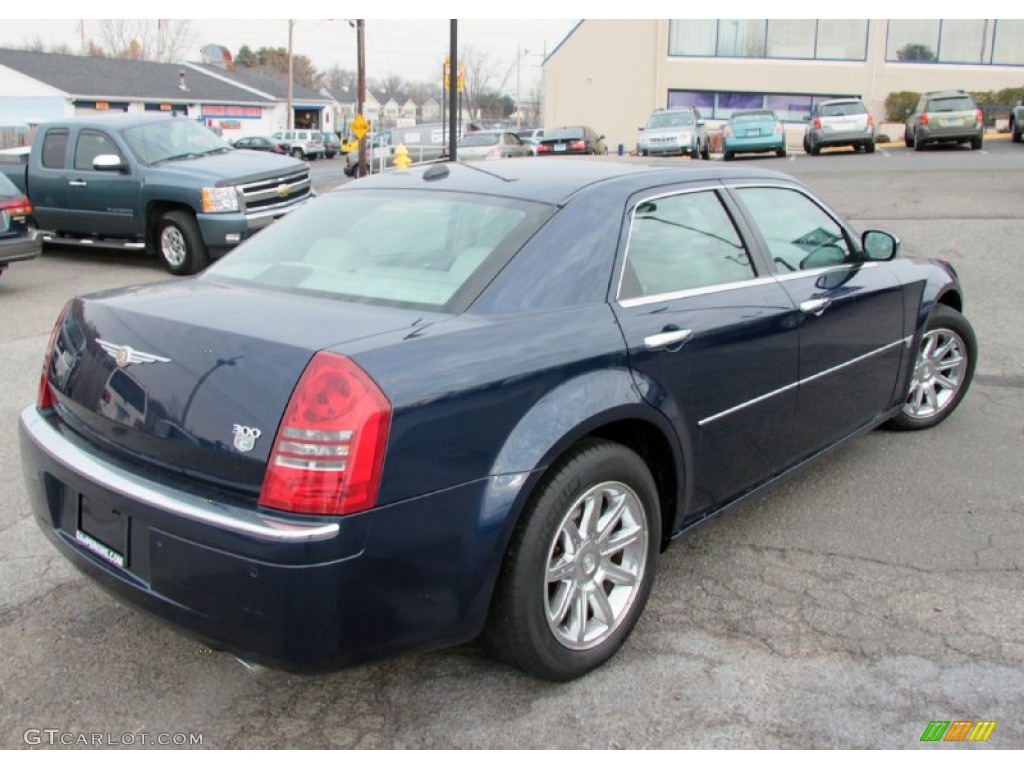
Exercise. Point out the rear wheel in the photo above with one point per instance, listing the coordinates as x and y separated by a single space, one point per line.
180 243
781 151
869 147
706 154
813 149
908 138
1015 131
580 565
976 142
918 144
728 155
942 373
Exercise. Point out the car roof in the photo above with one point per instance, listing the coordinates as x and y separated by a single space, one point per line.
552 180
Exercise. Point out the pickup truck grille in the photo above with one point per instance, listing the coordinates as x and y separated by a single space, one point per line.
278 192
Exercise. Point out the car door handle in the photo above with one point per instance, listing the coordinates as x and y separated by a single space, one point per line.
667 339
78 183
815 307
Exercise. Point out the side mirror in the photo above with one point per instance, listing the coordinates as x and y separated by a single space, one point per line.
879 246
807 118
108 163
601 137
700 123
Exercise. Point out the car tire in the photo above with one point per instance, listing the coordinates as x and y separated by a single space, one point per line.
1015 135
813 149
297 154
943 370
908 138
918 144
976 142
706 154
781 151
869 147
728 155
695 152
580 565
179 243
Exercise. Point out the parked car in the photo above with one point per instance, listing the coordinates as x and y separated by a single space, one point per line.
753 130
676 131
154 182
261 144
18 238
332 146
944 117
491 145
531 137
499 393
1017 120
840 123
303 144
572 140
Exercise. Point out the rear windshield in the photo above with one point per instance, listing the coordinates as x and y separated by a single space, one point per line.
950 104
479 140
751 117
427 249
670 119
843 108
564 133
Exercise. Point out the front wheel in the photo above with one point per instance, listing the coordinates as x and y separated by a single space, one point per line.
706 154
942 373
180 243
580 565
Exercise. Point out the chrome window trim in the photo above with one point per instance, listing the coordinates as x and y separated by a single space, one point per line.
691 292
639 300
140 489
821 374
824 270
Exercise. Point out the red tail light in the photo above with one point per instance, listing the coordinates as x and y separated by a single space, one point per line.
578 146
923 120
978 115
44 398
777 129
17 207
727 131
329 450
871 120
542 148
817 123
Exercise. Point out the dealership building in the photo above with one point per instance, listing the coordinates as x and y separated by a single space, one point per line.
611 74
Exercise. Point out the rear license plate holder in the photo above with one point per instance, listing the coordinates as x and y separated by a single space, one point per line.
103 531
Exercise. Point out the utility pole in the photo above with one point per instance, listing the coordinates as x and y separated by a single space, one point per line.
361 87
518 55
291 112
453 92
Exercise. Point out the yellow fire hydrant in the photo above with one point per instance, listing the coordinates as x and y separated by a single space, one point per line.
402 156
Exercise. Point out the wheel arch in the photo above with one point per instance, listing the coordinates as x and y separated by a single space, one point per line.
155 210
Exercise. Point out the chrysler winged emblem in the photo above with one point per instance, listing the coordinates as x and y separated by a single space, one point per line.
124 355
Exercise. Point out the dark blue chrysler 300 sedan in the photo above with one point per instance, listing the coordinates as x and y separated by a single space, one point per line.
473 401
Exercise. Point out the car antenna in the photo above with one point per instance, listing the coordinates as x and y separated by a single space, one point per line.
481 170
435 173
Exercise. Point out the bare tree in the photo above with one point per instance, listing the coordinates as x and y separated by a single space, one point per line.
388 88
166 40
484 76
339 81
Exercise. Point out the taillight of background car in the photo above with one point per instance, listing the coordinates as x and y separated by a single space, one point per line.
19 206
329 450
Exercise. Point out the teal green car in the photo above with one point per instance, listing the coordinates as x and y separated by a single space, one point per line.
753 130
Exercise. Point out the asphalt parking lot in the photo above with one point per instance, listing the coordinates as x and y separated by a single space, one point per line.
848 607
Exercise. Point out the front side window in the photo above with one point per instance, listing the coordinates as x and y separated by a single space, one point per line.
682 242
90 144
799 234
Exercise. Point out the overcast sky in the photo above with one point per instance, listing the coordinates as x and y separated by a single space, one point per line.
411 49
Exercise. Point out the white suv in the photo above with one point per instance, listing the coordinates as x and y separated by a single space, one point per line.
302 143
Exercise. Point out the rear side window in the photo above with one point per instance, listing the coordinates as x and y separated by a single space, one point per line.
55 147
434 250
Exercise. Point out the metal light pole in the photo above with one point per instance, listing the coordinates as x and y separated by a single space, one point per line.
291 112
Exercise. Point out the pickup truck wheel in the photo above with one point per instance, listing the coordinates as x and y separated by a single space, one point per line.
180 243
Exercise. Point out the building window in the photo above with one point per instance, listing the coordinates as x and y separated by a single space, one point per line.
719 105
842 39
835 39
964 41
742 38
790 39
1008 42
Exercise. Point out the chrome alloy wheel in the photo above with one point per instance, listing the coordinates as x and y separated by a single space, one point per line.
595 565
173 246
938 373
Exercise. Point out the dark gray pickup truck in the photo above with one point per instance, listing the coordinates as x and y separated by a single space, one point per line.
157 182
